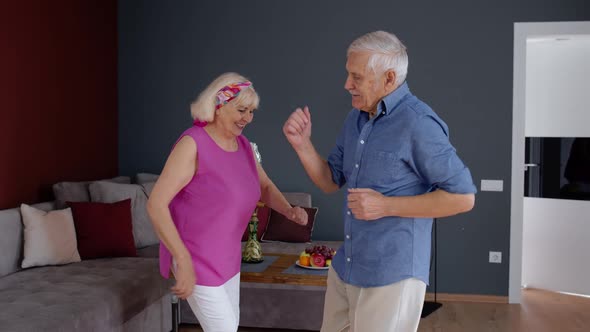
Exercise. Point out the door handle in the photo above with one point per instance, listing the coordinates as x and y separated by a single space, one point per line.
526 166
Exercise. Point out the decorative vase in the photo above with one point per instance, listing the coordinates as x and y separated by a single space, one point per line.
253 251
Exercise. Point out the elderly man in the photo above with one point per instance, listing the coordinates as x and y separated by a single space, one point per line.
394 156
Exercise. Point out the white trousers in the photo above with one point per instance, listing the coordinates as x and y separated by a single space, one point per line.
217 307
396 307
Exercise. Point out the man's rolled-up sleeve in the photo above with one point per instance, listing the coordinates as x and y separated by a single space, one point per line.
436 161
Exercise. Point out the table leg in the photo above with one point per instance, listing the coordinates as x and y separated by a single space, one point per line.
175 313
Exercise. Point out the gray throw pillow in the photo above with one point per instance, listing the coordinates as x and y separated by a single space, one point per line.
108 192
148 187
143 178
298 198
68 191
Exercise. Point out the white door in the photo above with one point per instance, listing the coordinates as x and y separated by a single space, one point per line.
550 238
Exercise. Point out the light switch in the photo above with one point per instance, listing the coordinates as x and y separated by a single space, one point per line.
492 185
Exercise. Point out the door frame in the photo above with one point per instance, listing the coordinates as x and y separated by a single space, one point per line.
523 31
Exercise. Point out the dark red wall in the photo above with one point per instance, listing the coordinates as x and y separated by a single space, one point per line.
58 95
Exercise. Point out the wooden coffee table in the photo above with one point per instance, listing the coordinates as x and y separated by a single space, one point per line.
274 273
278 300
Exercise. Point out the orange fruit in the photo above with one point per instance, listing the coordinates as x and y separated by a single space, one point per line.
304 260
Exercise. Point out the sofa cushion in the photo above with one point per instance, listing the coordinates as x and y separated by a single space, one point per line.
149 252
263 215
11 238
78 191
103 229
280 228
295 248
108 192
94 295
49 237
148 187
298 198
142 178
294 198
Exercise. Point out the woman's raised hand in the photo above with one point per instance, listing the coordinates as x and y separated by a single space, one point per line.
298 215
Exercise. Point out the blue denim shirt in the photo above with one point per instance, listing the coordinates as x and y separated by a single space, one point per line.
403 151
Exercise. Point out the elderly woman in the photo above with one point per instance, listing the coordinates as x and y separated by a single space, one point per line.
204 198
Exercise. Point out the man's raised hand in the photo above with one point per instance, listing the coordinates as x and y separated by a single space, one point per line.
297 128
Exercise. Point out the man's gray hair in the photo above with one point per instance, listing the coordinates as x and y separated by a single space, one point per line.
387 53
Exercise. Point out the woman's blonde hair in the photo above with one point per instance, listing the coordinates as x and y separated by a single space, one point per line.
203 108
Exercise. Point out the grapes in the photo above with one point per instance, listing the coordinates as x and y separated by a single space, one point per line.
323 250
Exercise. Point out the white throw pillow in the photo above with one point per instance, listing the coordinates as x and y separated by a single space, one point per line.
49 237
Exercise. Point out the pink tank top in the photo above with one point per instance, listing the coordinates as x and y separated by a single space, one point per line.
212 211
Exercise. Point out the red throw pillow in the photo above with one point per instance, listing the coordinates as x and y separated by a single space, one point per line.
280 228
263 216
103 229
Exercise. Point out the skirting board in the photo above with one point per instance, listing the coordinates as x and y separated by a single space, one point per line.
446 297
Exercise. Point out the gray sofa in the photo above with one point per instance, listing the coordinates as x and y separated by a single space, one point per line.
110 294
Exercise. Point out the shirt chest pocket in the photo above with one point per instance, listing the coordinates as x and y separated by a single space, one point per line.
380 167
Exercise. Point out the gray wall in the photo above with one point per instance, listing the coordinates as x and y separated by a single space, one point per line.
460 63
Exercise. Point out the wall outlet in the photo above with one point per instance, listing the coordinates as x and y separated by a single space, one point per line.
495 257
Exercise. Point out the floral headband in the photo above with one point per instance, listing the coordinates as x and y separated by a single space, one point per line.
229 92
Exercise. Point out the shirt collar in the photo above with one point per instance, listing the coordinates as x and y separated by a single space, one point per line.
389 102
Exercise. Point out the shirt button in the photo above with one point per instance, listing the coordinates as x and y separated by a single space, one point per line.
357 165
362 141
348 213
383 112
348 259
348 236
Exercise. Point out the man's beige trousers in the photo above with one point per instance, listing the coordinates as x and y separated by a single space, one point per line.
392 308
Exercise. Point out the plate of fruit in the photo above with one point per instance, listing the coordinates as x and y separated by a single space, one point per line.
316 258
